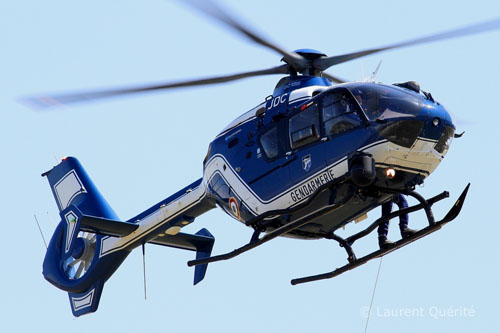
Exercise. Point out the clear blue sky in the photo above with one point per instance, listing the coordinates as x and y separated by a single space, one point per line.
139 150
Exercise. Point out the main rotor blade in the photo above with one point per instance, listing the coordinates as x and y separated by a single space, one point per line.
46 101
324 63
333 78
213 10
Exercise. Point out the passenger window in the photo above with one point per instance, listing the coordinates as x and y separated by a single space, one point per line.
339 114
269 142
304 127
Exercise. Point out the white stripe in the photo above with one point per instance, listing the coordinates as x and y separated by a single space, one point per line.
244 118
256 204
154 220
71 221
284 199
85 301
421 158
67 188
305 92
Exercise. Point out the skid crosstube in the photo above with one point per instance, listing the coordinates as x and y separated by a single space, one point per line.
353 262
256 241
257 224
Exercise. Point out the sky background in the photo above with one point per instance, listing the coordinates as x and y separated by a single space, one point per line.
139 150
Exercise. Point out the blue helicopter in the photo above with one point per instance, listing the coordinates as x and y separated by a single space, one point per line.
317 154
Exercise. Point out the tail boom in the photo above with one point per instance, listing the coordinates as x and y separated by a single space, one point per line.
166 217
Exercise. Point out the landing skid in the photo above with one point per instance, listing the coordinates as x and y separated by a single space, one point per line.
432 227
347 242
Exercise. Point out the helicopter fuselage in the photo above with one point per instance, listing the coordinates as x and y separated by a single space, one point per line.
278 155
311 158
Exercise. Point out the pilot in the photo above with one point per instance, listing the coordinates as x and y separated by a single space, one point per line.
368 103
383 228
359 99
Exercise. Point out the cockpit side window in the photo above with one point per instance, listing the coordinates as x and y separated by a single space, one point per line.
368 98
269 142
304 127
339 113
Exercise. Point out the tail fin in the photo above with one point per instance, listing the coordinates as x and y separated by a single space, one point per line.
72 262
71 185
202 242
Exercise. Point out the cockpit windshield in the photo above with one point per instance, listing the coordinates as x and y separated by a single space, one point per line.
382 102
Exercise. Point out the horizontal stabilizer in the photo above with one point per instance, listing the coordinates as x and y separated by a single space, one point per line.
184 241
107 227
202 242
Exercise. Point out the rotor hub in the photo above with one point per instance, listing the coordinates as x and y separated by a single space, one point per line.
308 68
310 54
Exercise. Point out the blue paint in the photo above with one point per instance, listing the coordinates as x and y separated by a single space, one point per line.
304 146
92 203
310 53
270 177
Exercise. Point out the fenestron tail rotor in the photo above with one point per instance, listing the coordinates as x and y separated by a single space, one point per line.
76 265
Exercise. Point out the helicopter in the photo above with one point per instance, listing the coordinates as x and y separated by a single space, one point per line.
316 155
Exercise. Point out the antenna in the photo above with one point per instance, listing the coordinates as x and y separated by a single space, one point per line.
144 267
51 220
372 77
41 233
374 288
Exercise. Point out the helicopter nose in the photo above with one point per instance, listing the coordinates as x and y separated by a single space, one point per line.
429 131
438 127
436 121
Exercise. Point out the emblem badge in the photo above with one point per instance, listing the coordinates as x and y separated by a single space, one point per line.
306 163
233 206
